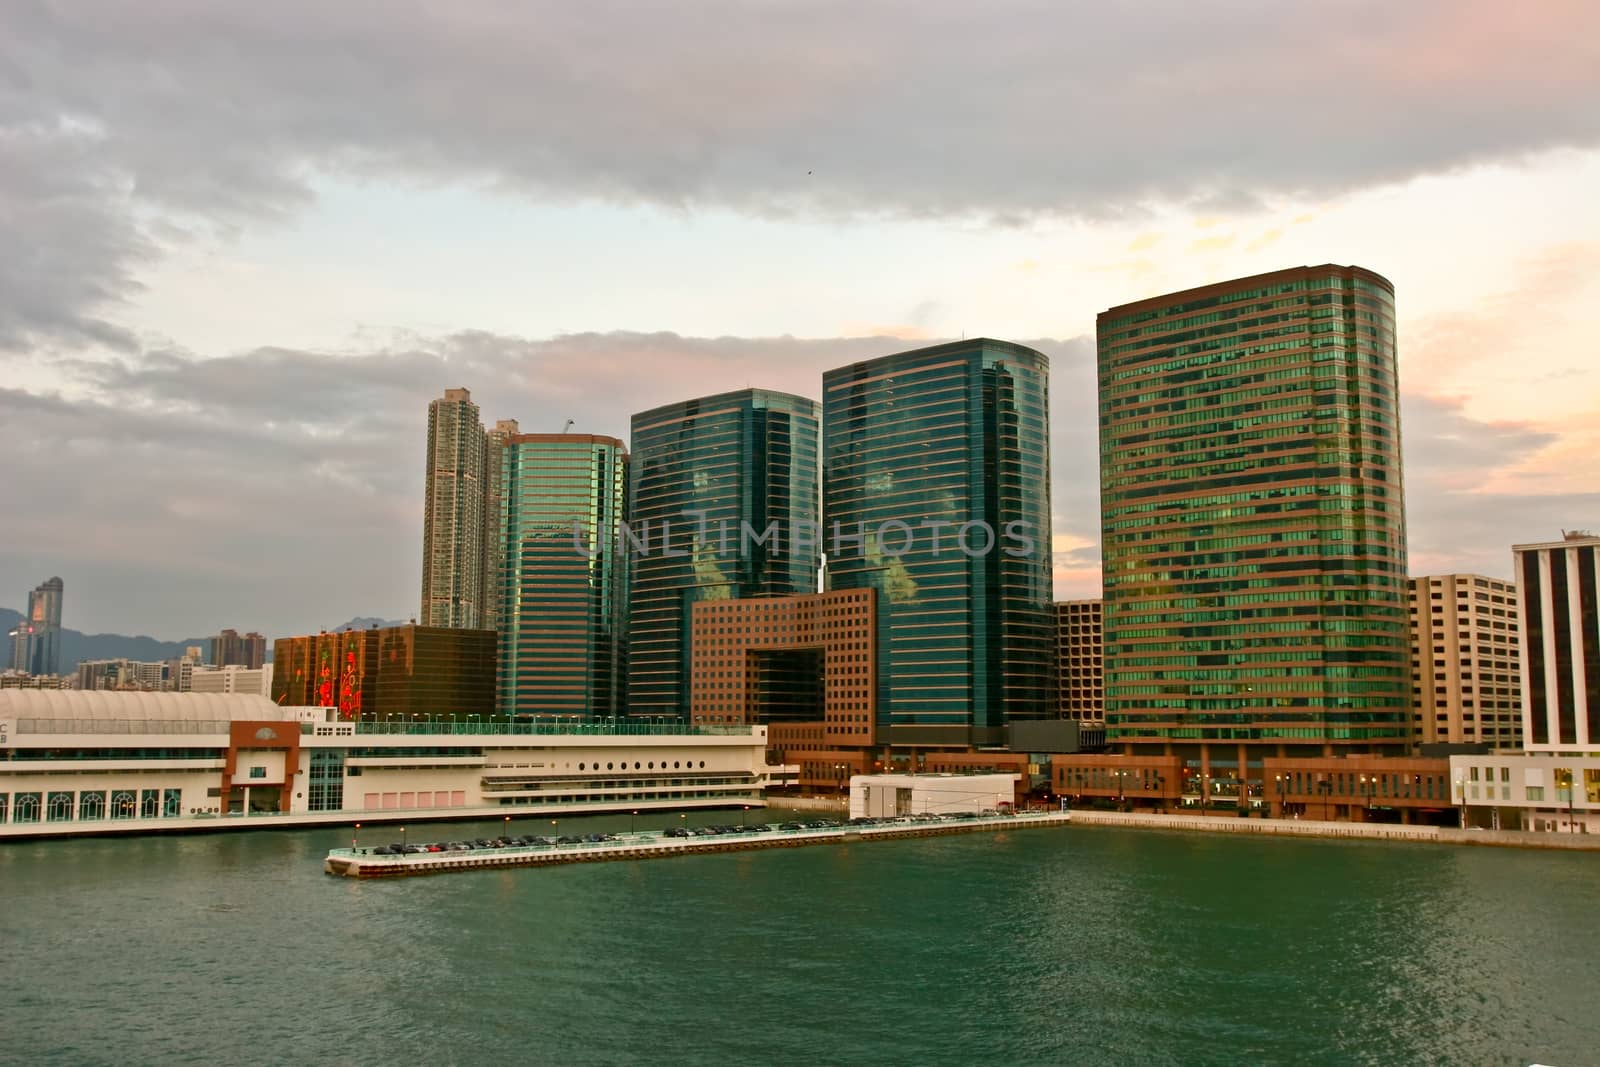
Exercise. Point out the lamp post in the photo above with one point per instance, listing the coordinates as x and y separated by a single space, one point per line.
1461 794
402 839
355 835
632 815
1283 789
1325 787
743 816
507 832
1122 777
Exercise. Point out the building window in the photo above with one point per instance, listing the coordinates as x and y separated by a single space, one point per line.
1535 792
258 772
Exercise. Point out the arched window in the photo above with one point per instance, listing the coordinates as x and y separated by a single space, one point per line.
60 807
91 805
27 809
124 804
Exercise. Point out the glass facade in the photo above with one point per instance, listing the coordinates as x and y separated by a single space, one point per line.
563 579
937 495
718 489
1253 514
401 672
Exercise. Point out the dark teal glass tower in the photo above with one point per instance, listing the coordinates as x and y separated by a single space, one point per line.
1253 512
939 460
718 490
563 580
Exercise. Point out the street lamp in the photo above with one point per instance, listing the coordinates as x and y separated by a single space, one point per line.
1461 792
632 815
507 833
1283 789
1122 777
402 839
355 835
1325 787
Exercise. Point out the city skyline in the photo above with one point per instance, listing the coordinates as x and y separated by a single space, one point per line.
266 294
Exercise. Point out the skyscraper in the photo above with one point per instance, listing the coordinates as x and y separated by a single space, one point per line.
703 471
453 525
36 642
494 554
1253 522
1559 583
939 461
563 576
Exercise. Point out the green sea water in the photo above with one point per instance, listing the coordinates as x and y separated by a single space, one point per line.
1062 946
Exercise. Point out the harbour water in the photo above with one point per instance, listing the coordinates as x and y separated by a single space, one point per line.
1080 945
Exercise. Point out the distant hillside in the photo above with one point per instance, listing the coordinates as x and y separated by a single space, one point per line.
77 647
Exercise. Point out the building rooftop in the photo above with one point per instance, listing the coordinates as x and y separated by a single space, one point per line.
108 705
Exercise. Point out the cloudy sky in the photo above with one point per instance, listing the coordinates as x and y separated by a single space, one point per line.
242 246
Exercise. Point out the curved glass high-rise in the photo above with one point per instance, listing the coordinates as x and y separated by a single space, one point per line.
939 461
703 473
1253 519
563 578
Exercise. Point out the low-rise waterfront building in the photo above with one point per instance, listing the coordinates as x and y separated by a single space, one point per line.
174 760
1399 789
880 796
1528 791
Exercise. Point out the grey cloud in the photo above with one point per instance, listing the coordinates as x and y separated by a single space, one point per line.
937 109
118 122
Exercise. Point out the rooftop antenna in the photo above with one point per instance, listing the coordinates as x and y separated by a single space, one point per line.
567 427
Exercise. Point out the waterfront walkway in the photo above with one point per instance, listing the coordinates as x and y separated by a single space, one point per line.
1443 835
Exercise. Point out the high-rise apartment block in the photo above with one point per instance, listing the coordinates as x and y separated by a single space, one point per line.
936 494
1560 615
228 649
457 525
1466 684
1253 522
563 575
722 504
36 641
1080 661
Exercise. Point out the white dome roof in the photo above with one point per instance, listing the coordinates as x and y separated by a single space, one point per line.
103 704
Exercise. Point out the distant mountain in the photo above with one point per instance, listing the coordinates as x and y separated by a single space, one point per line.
361 622
77 647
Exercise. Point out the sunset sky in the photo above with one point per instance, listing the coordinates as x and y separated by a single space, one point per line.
241 247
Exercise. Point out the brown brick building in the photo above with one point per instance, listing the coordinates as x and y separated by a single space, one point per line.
1080 660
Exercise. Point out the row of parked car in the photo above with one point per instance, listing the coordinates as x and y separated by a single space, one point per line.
397 848
753 828
928 816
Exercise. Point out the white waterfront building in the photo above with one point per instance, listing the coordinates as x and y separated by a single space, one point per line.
885 796
76 761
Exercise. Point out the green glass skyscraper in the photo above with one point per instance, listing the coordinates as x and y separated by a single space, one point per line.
939 461
718 488
1254 523
563 575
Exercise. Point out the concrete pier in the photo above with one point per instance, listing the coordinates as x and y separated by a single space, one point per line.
361 863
